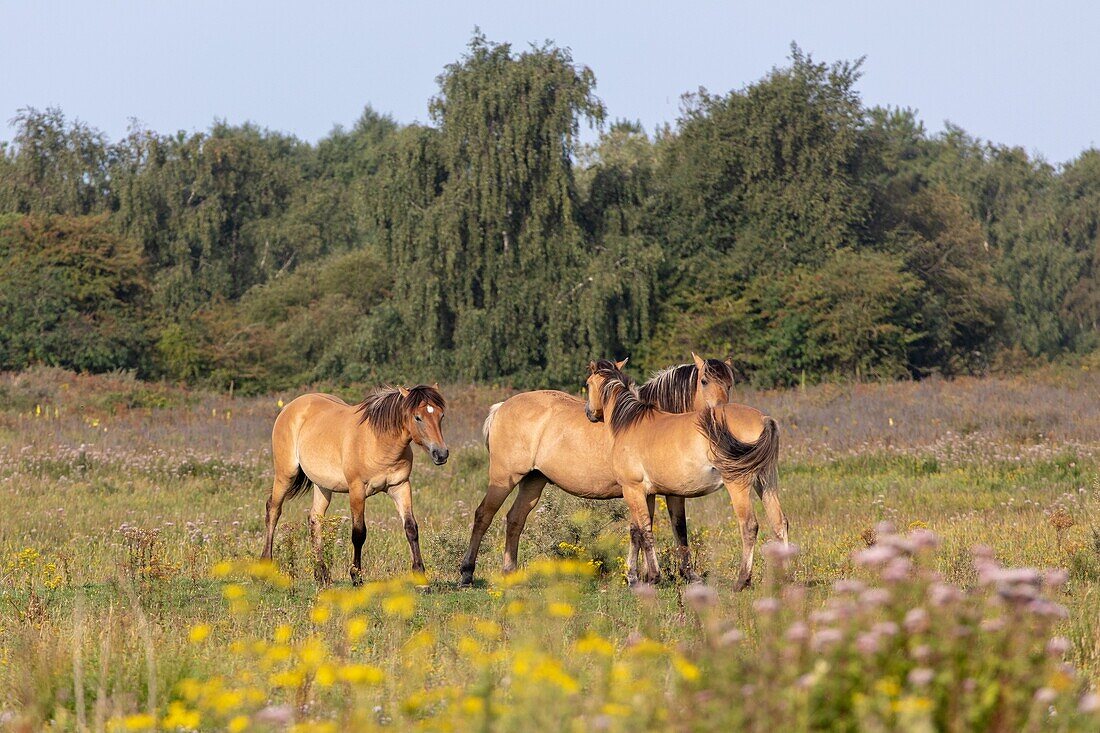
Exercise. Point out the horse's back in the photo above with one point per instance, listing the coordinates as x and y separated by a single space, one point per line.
547 430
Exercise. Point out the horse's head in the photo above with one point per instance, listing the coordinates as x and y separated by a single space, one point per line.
602 374
424 406
713 380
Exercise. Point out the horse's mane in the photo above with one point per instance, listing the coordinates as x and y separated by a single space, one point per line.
673 389
617 386
385 408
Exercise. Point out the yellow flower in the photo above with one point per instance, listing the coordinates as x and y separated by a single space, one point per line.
360 674
615 709
473 705
199 632
233 591
237 724
288 678
559 609
326 675
320 614
179 716
593 644
356 627
283 632
221 569
686 669
403 605
139 722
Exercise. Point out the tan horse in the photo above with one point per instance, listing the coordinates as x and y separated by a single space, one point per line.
359 450
541 437
655 452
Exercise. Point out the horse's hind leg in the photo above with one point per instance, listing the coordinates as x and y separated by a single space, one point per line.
402 499
746 518
767 488
321 500
530 491
499 488
677 513
279 490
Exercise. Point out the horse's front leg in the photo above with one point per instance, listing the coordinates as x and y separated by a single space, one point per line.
357 496
402 499
321 500
641 527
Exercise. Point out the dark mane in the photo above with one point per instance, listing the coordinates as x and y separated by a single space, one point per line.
385 409
619 387
673 389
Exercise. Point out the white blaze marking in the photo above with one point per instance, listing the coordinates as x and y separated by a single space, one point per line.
430 409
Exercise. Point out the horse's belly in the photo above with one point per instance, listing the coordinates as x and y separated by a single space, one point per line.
326 476
690 484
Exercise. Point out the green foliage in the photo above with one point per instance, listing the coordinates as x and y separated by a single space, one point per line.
71 292
491 245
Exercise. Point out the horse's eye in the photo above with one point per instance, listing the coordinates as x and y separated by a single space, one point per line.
418 418
704 383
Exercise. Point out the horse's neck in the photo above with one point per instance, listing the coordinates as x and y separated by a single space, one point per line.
391 446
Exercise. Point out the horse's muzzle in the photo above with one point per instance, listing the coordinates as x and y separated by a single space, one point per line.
439 455
589 415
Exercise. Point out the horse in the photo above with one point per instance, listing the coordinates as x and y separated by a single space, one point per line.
686 454
541 437
360 450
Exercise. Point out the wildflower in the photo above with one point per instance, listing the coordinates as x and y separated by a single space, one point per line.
283 632
798 632
179 716
875 555
1055 578
875 597
199 632
356 627
942 594
232 592
731 637
688 671
1089 703
921 676
403 605
360 674
473 705
325 676
320 614
897 570
780 553
237 724
867 643
849 585
1045 695
559 609
592 644
1058 646
765 605
700 597
825 638
139 722
917 621
276 715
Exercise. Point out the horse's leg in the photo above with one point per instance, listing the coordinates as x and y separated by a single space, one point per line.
357 500
499 488
767 488
641 528
530 491
403 500
653 569
321 500
746 518
274 510
677 513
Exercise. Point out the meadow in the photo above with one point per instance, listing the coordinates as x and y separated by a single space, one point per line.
946 577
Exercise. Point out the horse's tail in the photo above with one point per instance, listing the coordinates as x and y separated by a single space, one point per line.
298 485
488 424
737 461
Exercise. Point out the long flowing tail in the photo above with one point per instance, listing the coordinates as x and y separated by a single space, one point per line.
485 427
737 461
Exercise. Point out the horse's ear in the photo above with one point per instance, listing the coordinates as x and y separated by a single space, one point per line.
729 362
435 386
404 392
699 363
620 364
591 367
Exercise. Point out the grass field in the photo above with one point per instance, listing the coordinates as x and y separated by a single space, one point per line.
131 599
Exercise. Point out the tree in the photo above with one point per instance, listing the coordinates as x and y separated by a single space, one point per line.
72 294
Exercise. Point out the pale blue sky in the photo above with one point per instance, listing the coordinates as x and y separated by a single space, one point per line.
1022 73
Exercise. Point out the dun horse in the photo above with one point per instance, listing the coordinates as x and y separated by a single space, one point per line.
539 437
359 450
655 452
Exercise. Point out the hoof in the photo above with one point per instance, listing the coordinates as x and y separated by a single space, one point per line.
321 575
356 576
742 584
692 578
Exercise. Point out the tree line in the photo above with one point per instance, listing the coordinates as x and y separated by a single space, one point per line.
785 224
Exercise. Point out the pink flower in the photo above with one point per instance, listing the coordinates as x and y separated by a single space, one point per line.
921 676
1058 646
867 643
798 632
765 605
875 555
700 596
917 621
1090 703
